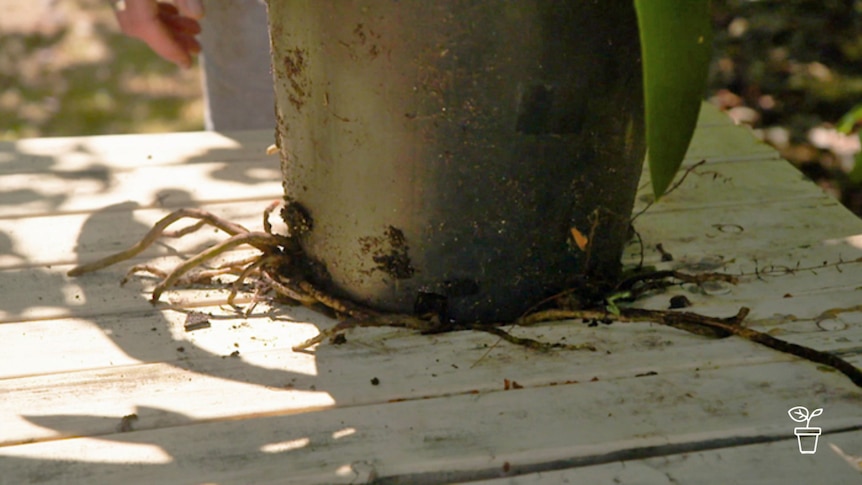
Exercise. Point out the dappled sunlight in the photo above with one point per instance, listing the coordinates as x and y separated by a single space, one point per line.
126 151
103 350
285 445
91 348
72 199
102 451
163 396
852 241
73 296
260 345
343 433
77 174
291 444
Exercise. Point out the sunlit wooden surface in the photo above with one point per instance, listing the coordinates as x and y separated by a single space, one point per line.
233 404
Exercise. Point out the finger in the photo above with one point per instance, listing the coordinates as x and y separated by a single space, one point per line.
141 19
165 44
180 24
167 9
135 15
189 43
170 48
191 8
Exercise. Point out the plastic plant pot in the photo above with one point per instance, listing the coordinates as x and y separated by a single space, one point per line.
468 158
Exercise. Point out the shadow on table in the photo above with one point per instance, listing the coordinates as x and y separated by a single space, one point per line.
255 450
125 230
36 182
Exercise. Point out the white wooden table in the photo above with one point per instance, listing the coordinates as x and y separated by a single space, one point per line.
233 404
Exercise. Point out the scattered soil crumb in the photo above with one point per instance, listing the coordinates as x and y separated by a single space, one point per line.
197 321
127 423
679 301
338 339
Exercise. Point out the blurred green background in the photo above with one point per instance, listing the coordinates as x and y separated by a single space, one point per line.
787 68
790 69
65 69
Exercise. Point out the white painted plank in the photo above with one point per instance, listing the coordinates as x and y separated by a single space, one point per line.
128 152
722 231
783 230
153 336
727 144
123 152
34 281
80 238
710 115
124 361
456 436
113 226
146 334
82 173
733 240
731 184
718 139
773 463
172 186
35 294
725 237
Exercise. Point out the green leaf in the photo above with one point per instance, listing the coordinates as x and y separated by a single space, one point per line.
855 175
611 302
676 47
848 122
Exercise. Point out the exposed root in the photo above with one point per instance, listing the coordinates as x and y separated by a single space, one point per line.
205 276
186 230
690 322
670 189
557 314
287 289
157 231
261 240
340 306
707 327
267 226
143 268
278 252
655 280
530 343
390 320
253 267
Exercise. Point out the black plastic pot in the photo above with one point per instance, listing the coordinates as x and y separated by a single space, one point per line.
437 154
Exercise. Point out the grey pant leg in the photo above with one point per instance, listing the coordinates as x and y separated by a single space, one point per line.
238 88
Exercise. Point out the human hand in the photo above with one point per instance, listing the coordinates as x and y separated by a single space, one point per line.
169 30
